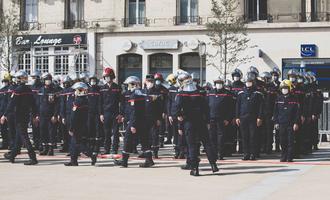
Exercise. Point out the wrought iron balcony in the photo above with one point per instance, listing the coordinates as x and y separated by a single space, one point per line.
75 24
25 26
187 20
126 22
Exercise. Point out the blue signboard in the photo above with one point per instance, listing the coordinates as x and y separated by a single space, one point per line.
308 50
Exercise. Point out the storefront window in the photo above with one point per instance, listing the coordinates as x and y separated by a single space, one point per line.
136 10
190 62
61 61
129 65
81 61
24 61
188 11
42 59
161 63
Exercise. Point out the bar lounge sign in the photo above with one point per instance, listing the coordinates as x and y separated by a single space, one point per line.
49 40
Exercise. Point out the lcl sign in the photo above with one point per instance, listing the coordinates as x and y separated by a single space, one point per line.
308 50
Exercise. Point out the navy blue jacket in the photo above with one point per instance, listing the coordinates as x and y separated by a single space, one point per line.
79 117
286 110
93 99
22 104
110 99
3 99
249 104
66 102
154 107
137 109
48 101
219 104
171 106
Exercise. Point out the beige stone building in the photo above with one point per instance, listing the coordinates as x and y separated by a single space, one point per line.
144 36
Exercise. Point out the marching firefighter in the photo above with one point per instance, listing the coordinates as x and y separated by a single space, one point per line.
154 110
79 126
249 116
286 119
48 108
22 104
109 111
66 102
191 111
93 114
35 87
137 125
3 104
179 141
219 104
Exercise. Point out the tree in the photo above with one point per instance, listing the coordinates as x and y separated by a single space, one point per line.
9 26
228 34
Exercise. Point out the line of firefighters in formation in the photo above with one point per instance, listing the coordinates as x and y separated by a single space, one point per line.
86 113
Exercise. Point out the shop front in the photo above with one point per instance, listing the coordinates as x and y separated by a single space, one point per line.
59 54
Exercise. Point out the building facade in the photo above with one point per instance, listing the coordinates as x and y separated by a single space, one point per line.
146 36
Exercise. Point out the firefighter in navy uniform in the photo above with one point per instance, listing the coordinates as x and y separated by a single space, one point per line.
49 109
154 111
3 104
231 128
66 102
35 87
269 102
137 125
192 112
276 73
159 85
22 104
109 111
299 91
219 103
79 126
286 119
249 116
179 142
93 114
237 87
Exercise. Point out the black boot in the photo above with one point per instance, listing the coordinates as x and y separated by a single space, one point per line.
177 154
186 167
9 157
246 157
123 162
31 162
253 157
50 151
194 171
44 150
149 162
94 158
71 163
214 167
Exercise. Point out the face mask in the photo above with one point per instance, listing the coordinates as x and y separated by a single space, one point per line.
48 82
236 78
219 86
248 84
131 87
5 83
285 91
158 82
195 83
300 80
93 82
275 78
107 79
149 85
292 79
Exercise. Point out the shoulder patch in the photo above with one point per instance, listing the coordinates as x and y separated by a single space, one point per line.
132 103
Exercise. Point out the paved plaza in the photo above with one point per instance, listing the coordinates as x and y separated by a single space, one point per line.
267 178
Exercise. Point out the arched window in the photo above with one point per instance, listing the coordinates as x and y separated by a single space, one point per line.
129 65
190 62
161 63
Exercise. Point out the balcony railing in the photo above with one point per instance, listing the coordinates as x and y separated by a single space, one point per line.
125 22
74 24
25 26
315 17
187 20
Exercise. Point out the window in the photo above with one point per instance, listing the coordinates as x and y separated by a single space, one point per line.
129 65
256 10
29 14
81 61
74 13
42 59
24 61
190 62
161 63
188 11
136 10
61 61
